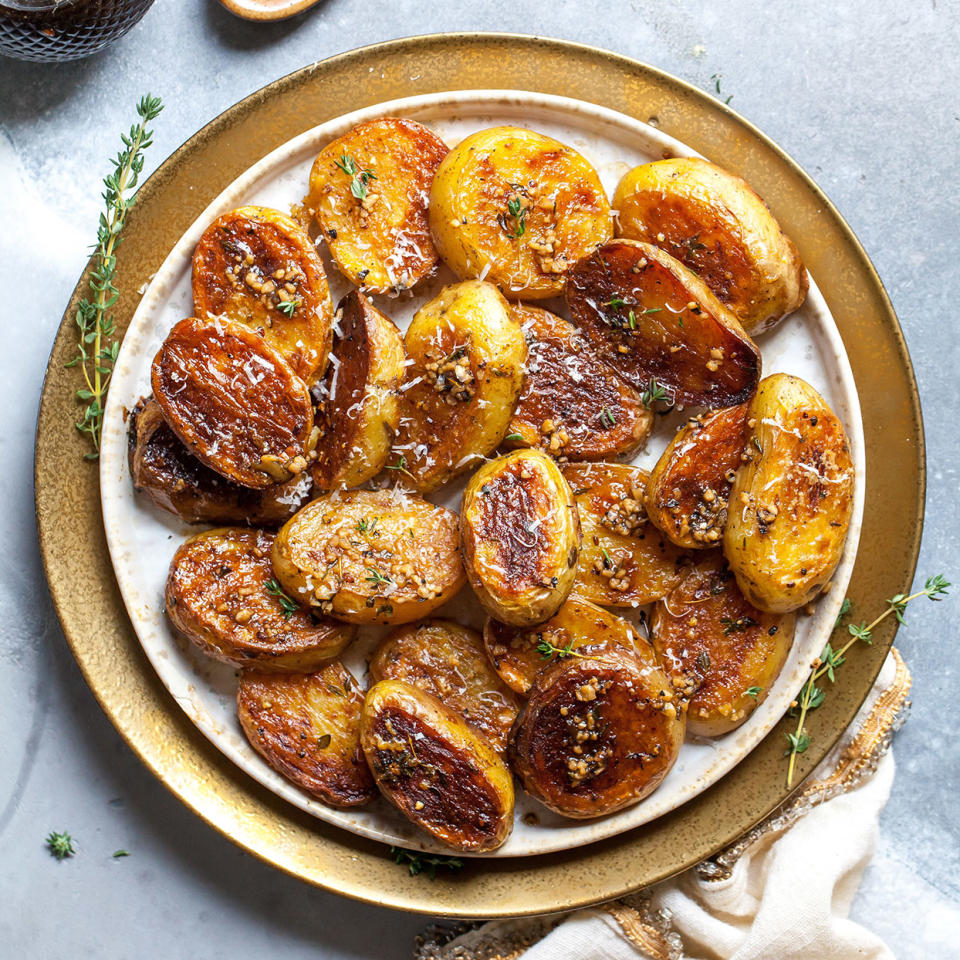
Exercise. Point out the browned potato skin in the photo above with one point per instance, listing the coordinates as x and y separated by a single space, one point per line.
714 223
358 422
626 704
334 553
216 595
567 210
256 243
509 502
386 246
446 426
452 783
715 646
176 481
689 488
572 404
287 719
645 564
792 502
659 289
579 625
235 426
449 661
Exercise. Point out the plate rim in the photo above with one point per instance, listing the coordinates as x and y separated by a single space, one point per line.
65 562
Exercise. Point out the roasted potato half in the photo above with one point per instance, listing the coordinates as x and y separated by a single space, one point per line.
520 536
687 491
432 766
307 727
624 561
572 404
597 735
718 650
519 208
652 319
358 413
368 192
715 224
790 505
467 354
164 470
257 266
449 661
234 402
222 595
370 556
578 629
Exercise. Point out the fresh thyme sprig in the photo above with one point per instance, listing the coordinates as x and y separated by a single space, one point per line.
548 651
400 466
60 845
359 178
96 351
287 604
812 696
423 862
377 578
517 210
288 307
655 393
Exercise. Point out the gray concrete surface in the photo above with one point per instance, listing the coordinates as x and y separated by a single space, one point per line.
863 95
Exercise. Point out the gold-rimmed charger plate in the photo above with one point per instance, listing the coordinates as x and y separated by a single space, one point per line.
81 578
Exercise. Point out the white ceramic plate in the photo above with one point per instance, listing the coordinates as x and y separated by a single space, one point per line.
142 539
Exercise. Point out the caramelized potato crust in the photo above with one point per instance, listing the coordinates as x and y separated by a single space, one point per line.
520 536
448 661
164 470
791 504
233 401
358 414
597 735
519 208
256 266
221 594
431 765
688 490
307 727
572 404
715 224
369 191
370 556
719 651
651 318
624 561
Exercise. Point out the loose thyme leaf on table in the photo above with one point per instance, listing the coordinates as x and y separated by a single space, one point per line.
60 845
826 665
96 351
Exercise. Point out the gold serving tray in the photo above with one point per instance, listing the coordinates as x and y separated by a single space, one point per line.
81 578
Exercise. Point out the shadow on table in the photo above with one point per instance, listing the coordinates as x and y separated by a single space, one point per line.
29 90
239 34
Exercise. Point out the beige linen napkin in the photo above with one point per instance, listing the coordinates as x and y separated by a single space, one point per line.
781 892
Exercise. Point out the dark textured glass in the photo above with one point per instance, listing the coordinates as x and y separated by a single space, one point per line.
65 30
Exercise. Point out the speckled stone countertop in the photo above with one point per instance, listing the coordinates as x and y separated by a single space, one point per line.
862 94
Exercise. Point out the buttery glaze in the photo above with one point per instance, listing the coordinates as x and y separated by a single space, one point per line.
572 404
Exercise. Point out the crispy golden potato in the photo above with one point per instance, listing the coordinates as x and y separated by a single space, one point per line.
358 413
519 208
578 629
370 556
572 404
368 192
448 660
520 536
715 224
164 470
307 727
718 650
256 266
455 406
432 766
221 594
625 561
597 735
234 402
790 506
687 491
652 319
